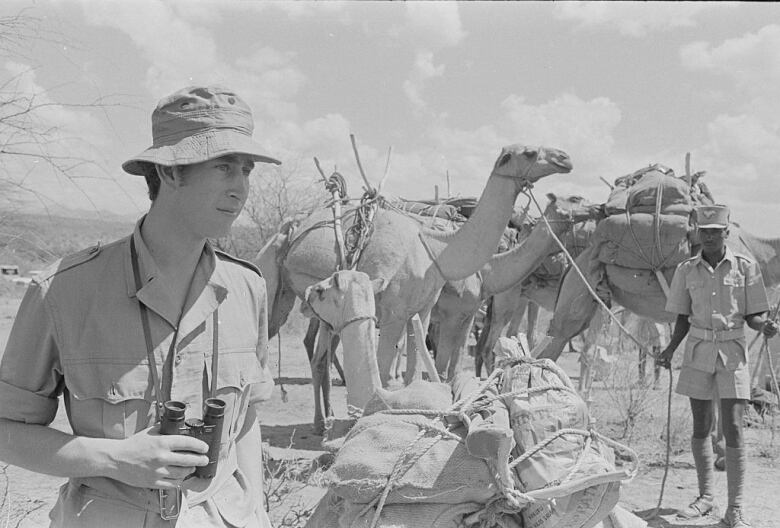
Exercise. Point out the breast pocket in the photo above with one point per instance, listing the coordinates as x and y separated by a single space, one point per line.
697 291
734 286
238 369
109 400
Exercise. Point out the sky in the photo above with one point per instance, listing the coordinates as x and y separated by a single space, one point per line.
436 87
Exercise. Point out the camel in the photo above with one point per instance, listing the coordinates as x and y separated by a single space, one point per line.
575 306
459 300
414 261
345 302
507 308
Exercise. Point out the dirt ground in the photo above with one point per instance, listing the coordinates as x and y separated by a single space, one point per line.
26 497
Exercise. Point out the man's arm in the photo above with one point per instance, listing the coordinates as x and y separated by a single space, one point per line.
681 327
145 459
760 322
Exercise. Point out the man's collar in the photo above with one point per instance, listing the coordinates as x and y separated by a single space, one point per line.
727 256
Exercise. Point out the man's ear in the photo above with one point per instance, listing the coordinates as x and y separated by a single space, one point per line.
379 285
165 174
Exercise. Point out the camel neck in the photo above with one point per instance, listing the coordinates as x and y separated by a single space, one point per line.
504 270
360 344
463 252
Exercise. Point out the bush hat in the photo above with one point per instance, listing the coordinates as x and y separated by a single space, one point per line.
712 216
196 124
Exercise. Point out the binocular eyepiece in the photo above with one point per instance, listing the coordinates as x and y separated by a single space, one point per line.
209 429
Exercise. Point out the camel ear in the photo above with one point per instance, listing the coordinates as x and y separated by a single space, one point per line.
379 285
338 281
552 197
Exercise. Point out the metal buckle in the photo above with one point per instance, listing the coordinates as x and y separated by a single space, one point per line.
170 503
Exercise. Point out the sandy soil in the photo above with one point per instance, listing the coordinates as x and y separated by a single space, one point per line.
286 428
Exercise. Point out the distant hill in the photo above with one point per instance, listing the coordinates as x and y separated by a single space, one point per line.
33 240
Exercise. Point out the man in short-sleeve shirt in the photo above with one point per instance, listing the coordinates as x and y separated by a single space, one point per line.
157 316
715 294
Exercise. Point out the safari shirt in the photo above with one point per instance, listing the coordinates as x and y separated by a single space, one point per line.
78 333
717 300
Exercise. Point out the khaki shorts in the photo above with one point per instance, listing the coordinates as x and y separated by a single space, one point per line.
726 384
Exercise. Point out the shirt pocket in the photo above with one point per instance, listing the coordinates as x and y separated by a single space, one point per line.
696 289
734 287
109 400
237 371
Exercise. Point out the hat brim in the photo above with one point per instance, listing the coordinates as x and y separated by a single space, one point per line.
197 149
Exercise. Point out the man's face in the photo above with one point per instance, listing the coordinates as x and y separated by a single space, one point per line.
713 239
209 196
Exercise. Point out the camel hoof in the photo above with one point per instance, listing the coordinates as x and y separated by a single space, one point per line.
720 463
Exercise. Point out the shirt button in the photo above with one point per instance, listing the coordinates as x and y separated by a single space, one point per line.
177 359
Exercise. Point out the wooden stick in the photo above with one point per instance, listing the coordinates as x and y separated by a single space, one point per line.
419 337
387 170
360 166
611 187
317 164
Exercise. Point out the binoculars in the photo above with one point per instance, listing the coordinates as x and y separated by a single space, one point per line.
209 429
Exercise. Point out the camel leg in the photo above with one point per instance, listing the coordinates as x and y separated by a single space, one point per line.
586 373
642 365
573 310
318 370
413 371
533 316
390 334
311 337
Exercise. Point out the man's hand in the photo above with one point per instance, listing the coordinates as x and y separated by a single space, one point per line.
769 328
150 460
664 359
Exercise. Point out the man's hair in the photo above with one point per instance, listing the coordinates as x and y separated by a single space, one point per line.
153 179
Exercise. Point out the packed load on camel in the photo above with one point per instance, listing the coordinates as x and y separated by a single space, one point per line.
516 450
648 228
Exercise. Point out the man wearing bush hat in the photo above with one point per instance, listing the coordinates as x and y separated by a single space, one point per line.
715 294
158 316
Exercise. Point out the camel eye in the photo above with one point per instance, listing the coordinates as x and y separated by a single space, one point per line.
529 153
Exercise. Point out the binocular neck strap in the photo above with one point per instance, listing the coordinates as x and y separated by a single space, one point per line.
159 400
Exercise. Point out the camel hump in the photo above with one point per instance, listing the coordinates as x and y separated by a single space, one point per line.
241 262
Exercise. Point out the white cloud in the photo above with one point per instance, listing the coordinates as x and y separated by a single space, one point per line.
435 24
424 70
631 19
752 60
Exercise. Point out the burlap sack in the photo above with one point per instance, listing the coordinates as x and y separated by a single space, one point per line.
433 515
638 281
579 473
419 394
642 241
654 186
425 468
534 415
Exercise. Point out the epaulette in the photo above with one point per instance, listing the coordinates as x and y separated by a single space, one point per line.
742 256
70 261
227 256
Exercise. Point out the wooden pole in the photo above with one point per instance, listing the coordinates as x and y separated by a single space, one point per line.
688 167
448 185
436 193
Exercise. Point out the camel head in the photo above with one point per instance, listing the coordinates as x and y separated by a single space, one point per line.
570 208
343 297
531 164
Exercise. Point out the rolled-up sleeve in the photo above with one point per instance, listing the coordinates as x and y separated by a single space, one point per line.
679 300
30 371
